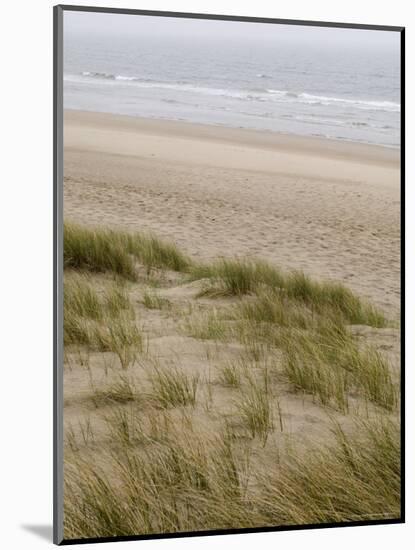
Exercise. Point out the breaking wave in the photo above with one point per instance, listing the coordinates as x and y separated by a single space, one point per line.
256 94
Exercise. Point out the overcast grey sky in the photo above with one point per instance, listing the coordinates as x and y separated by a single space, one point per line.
109 24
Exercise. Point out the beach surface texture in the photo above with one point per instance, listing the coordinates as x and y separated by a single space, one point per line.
329 208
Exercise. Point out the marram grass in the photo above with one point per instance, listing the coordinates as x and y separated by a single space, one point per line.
102 321
161 474
186 482
239 277
114 251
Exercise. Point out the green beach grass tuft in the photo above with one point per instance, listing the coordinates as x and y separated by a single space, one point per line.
235 277
115 251
254 407
172 387
329 363
151 300
97 250
240 277
101 320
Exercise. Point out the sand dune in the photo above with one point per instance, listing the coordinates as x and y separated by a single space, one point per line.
166 376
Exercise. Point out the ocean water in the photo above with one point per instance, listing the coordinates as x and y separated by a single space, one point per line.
313 87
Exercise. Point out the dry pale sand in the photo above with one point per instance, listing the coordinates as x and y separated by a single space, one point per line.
329 208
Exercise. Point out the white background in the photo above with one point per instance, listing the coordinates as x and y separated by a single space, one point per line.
26 270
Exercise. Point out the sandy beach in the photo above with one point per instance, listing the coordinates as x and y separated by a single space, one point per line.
327 207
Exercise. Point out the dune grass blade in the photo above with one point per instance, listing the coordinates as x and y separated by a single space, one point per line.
230 375
172 387
254 408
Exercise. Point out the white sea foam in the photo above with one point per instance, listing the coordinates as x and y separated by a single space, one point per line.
254 94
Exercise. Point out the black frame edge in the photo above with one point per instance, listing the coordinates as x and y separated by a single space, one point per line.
403 263
191 15
57 291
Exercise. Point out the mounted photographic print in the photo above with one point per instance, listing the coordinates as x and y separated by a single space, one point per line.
228 269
